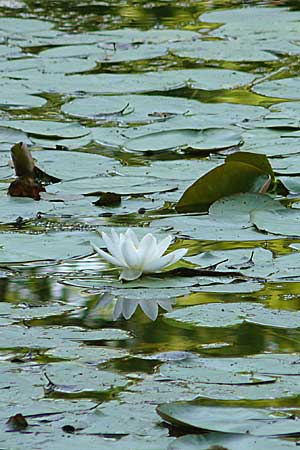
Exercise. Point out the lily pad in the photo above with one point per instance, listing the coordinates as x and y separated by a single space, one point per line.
232 441
158 108
231 314
69 165
47 128
270 142
13 208
17 248
285 88
283 221
212 139
256 422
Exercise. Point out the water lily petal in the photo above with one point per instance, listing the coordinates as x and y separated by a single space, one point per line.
150 308
147 250
165 261
131 235
130 274
130 254
113 246
163 245
176 255
106 256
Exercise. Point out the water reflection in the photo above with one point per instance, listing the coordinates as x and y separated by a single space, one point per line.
114 307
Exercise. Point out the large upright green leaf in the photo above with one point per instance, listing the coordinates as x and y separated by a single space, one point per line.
227 179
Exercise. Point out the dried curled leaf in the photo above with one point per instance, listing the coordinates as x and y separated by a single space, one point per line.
29 177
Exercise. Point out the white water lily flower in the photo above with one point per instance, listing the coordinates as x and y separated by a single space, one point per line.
135 256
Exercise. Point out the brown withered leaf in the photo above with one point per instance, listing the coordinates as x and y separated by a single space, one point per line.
17 422
29 177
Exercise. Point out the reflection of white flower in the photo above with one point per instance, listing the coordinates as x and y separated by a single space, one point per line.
136 256
126 307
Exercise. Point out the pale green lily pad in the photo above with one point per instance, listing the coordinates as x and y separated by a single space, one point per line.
70 144
11 136
285 88
291 183
281 115
231 314
158 108
47 128
87 354
17 248
232 441
205 79
225 50
267 364
117 184
53 65
108 53
228 220
244 287
147 281
210 228
270 142
155 108
69 165
106 38
17 99
282 221
53 337
9 51
193 372
289 165
212 139
246 34
71 377
287 267
12 208
23 26
256 422
256 262
240 206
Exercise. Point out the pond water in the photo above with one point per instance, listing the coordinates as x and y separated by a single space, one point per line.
142 99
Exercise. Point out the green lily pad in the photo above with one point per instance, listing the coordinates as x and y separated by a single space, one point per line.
232 441
212 139
158 108
47 128
13 208
117 184
17 248
69 165
107 83
270 142
285 88
231 314
283 221
108 53
256 422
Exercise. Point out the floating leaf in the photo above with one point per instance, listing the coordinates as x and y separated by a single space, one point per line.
17 248
283 221
256 422
212 139
230 314
232 441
